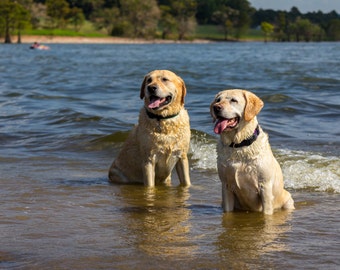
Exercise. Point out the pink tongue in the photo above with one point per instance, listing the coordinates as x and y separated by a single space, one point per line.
155 103
222 124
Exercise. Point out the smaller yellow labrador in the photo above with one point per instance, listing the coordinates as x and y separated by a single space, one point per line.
251 176
161 139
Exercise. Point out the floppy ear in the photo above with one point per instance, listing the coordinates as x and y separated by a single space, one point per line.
184 89
253 105
212 108
142 88
212 111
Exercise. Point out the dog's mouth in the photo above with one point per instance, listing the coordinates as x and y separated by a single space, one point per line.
158 102
224 124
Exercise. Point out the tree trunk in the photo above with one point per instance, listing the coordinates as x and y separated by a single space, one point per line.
8 37
19 37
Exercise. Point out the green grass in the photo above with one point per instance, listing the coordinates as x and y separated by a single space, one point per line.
86 30
254 34
215 33
211 32
61 32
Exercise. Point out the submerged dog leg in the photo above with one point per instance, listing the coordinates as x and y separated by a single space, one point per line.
267 198
149 174
182 169
227 199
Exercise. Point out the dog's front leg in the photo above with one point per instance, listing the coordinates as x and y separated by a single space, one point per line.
149 174
267 198
227 198
182 169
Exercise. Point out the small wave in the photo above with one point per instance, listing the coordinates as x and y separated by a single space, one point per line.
202 151
301 169
309 170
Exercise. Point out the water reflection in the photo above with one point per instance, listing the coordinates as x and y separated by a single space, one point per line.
158 220
248 236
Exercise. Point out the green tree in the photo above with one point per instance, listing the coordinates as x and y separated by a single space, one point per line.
167 21
307 31
76 18
333 30
242 19
107 19
13 16
58 11
282 27
22 20
141 17
206 9
184 12
267 30
303 29
223 17
262 15
38 15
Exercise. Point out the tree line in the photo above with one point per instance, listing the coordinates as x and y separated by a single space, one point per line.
167 19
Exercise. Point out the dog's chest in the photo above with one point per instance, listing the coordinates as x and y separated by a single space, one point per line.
170 139
238 169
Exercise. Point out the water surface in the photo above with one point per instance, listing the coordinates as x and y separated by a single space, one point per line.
66 112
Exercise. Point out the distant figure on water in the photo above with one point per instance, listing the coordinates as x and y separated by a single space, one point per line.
38 46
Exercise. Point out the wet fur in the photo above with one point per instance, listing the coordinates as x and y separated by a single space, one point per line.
154 147
251 176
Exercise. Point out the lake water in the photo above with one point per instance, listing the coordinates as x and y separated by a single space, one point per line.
66 112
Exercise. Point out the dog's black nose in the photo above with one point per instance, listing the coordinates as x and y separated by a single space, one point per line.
217 108
152 89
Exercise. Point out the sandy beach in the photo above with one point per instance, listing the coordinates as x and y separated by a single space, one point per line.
98 40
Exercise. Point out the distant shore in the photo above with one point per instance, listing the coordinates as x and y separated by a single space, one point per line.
98 40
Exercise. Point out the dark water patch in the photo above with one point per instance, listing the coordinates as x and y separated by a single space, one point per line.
117 137
69 116
82 182
205 210
276 98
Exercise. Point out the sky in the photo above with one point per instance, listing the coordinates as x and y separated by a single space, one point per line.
303 5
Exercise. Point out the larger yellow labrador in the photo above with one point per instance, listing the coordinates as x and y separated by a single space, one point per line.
251 176
161 139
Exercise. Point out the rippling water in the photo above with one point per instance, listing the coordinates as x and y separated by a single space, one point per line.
66 112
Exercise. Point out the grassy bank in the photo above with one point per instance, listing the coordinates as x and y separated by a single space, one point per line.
207 32
213 32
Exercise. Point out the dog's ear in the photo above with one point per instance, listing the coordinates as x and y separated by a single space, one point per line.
212 111
212 108
253 105
142 88
184 89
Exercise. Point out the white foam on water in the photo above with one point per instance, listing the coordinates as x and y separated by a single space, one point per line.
203 152
301 170
309 170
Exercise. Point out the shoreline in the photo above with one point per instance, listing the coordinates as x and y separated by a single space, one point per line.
99 40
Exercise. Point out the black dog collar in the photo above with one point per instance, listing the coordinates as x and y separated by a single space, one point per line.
248 141
159 117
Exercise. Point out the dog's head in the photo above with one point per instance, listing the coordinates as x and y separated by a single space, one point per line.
163 92
232 108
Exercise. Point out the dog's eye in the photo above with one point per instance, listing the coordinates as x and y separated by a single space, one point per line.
149 80
165 79
234 100
218 99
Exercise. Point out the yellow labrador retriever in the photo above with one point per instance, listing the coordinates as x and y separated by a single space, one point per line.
161 139
251 176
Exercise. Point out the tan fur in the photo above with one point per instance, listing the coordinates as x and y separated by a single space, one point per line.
154 147
251 176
